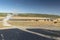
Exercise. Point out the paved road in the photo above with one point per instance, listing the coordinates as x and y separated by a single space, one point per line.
54 34
17 34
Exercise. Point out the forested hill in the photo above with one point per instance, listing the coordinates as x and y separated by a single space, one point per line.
32 15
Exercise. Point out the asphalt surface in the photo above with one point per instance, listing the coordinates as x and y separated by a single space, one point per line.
51 33
17 34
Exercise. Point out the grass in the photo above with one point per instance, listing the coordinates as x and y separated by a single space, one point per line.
31 15
1 25
33 23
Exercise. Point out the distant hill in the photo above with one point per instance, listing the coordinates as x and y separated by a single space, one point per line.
39 15
3 14
33 15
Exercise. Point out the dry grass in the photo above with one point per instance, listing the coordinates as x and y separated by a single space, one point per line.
32 23
1 25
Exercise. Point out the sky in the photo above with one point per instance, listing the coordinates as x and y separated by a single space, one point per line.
30 6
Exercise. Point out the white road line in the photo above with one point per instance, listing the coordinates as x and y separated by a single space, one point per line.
24 29
2 37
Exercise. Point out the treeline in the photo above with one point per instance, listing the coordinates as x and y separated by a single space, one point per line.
3 14
39 15
32 15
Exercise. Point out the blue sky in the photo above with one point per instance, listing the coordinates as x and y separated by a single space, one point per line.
31 6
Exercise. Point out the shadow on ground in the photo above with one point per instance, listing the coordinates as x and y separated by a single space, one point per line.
51 33
17 34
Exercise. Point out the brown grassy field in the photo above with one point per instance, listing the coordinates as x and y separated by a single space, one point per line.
33 23
1 25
